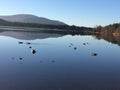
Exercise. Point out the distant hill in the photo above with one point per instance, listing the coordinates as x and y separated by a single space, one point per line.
49 28
26 18
2 22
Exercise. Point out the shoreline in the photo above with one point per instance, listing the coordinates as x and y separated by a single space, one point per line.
42 30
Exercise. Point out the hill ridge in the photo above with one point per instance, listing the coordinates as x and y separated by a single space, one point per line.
29 18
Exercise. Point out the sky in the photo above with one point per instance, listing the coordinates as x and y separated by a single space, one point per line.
88 13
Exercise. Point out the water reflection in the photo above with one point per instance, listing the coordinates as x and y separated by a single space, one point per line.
29 35
110 38
62 63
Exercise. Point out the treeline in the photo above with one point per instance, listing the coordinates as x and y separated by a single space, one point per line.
111 29
110 33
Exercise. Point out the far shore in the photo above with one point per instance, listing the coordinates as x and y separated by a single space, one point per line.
41 30
17 28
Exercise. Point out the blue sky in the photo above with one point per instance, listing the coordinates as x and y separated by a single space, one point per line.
77 12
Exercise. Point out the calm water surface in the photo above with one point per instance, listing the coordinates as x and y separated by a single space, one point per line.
61 62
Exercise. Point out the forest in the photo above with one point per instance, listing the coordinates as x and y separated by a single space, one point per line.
111 33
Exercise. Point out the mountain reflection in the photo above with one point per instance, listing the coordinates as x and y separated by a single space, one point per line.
22 35
29 35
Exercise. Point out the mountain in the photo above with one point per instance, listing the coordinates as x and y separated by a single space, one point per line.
27 18
2 21
32 23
